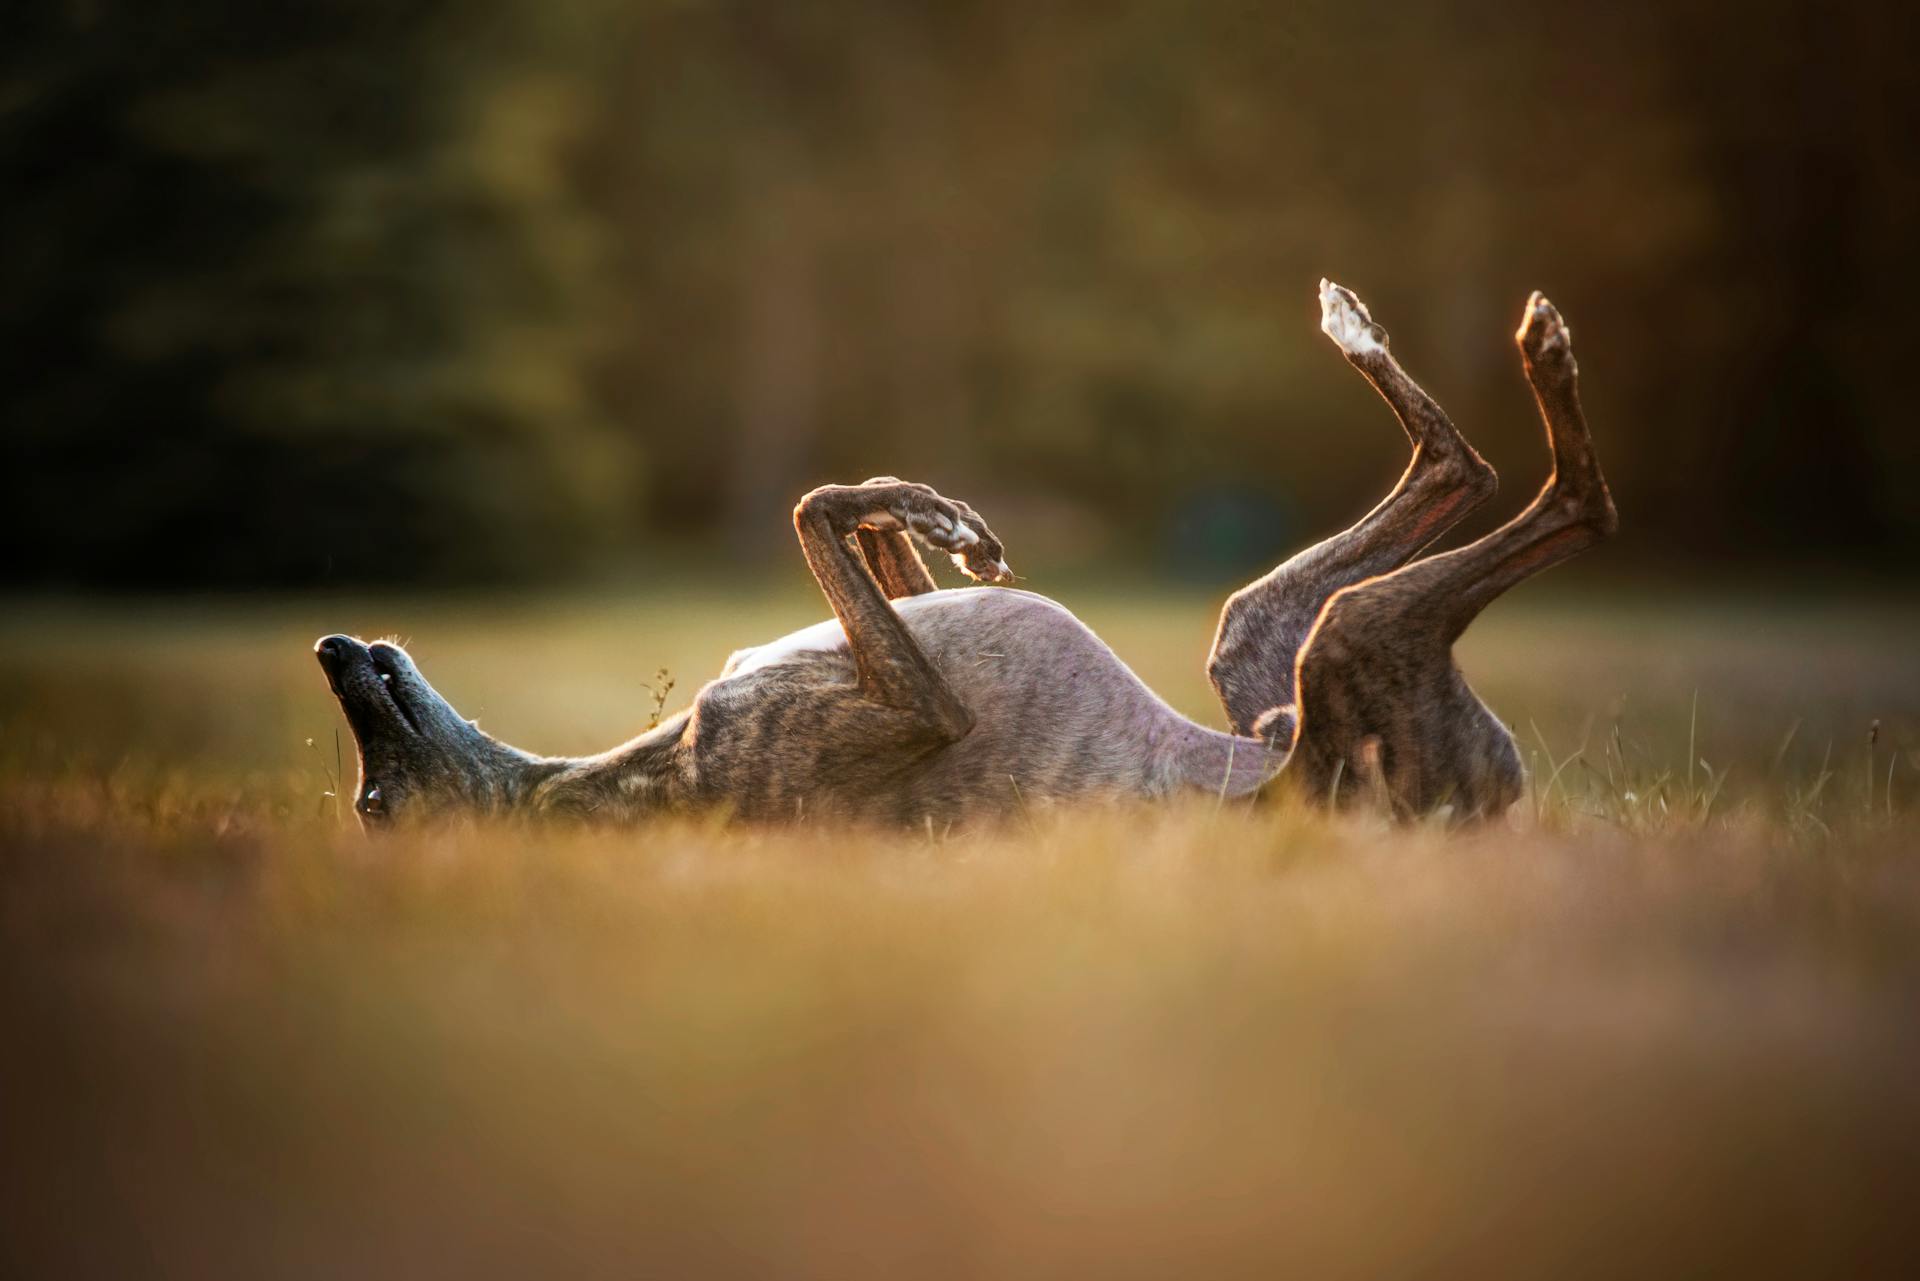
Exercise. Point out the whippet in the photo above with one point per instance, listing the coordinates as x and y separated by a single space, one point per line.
917 705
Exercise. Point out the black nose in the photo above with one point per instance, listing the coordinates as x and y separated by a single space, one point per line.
335 654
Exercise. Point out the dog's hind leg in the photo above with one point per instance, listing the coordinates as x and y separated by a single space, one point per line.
1263 625
1376 675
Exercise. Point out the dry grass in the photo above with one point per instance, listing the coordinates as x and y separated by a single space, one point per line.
1663 1024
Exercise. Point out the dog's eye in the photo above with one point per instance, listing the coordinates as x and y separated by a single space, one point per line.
373 803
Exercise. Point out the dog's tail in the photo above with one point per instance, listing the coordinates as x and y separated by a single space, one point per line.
1223 764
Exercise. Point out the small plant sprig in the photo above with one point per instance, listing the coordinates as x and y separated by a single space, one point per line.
1873 741
333 775
659 687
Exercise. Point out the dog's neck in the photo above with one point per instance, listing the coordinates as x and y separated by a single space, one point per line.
639 777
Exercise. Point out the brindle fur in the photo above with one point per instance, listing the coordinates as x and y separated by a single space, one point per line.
920 706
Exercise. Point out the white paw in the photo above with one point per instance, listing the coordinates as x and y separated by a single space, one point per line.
1344 318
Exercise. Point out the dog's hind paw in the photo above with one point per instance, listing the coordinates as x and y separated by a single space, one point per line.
1544 338
1344 318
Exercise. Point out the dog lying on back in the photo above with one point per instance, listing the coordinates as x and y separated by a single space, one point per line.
915 705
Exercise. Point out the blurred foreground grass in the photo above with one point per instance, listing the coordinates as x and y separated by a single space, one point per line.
1661 1023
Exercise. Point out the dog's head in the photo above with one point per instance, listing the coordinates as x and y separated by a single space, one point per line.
418 757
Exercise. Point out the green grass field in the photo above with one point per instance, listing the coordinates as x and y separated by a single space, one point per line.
1665 1021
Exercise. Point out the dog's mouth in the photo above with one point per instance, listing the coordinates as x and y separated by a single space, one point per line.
369 682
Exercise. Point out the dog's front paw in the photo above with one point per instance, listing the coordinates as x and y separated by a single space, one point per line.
943 524
971 545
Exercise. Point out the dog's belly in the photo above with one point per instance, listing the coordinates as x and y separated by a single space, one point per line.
1057 714
1006 653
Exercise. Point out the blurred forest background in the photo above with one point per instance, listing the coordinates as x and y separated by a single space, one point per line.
350 292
